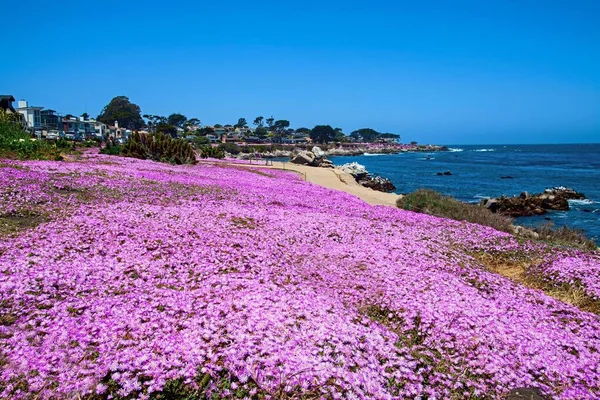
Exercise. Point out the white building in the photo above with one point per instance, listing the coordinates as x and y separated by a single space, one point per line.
31 115
101 129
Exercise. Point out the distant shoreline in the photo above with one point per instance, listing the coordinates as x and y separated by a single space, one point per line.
282 151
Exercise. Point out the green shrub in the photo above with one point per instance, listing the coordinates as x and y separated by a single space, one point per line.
159 147
211 152
111 150
230 148
433 203
91 143
200 140
64 144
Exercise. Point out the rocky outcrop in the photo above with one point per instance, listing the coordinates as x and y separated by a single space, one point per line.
303 158
363 178
444 173
313 158
378 183
568 193
525 205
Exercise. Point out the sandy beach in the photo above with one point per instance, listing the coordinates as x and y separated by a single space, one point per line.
332 178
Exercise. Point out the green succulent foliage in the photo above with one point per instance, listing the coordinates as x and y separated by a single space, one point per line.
159 147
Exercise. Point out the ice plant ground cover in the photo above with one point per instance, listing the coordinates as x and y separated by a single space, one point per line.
122 278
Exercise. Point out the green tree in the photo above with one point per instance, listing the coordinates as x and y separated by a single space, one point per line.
121 109
365 134
207 130
303 130
177 120
270 121
322 134
218 126
166 129
280 128
242 123
390 136
85 116
194 122
259 122
339 136
261 132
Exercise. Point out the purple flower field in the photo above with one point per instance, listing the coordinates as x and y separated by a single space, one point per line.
240 283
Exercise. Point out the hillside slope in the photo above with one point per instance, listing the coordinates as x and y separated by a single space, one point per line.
121 277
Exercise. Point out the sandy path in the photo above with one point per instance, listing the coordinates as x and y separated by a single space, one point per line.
333 178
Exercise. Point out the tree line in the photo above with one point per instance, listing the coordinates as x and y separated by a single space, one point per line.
129 116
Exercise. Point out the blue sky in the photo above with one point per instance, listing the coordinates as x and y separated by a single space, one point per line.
453 72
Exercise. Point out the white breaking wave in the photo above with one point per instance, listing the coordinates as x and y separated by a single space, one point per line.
453 150
480 150
581 201
372 154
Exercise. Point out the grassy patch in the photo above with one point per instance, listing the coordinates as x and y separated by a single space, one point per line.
564 237
433 203
16 222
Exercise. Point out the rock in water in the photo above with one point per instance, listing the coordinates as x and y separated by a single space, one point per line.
568 193
526 204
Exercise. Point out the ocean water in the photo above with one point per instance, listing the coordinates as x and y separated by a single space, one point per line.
477 173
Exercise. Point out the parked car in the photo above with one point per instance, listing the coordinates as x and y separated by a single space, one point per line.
52 135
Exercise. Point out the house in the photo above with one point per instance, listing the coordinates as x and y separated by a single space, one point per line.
49 120
119 133
100 129
78 128
6 101
220 131
32 116
231 137
212 138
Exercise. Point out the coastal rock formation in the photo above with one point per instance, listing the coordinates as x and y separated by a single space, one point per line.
313 158
525 205
363 178
568 193
303 158
378 183
358 171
